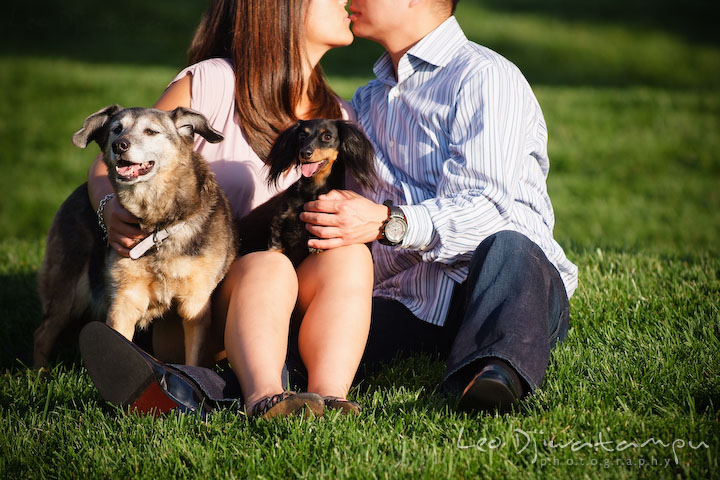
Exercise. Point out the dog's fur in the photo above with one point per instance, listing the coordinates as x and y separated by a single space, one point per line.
324 150
160 179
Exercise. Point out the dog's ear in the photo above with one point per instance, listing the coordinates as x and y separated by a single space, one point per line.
357 154
189 122
283 154
94 126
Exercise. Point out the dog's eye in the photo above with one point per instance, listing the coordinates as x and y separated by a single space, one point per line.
326 137
302 135
151 132
117 129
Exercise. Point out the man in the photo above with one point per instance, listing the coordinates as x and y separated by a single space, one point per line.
465 261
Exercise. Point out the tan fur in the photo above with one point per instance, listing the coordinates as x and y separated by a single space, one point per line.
319 155
181 273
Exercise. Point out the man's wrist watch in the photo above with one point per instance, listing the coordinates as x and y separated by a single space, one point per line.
395 227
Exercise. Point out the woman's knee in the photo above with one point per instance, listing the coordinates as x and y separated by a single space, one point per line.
349 261
260 267
345 272
268 269
356 258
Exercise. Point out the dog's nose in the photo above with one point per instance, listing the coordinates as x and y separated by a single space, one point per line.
306 153
120 145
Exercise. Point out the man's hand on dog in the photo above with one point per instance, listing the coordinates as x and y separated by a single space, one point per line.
343 217
123 229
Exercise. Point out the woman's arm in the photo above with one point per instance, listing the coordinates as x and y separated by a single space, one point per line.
176 95
122 226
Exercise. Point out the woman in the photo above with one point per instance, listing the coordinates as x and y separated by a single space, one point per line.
255 72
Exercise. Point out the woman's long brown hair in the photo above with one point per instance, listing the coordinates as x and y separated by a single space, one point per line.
263 39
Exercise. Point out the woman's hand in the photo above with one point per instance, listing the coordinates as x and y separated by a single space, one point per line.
343 217
122 227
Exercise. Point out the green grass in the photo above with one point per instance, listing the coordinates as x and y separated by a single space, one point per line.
631 95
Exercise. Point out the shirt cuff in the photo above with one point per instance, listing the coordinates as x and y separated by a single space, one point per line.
420 227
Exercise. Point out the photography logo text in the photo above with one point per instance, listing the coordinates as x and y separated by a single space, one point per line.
628 452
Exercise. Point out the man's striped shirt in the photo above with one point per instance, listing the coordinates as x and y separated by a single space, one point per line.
461 146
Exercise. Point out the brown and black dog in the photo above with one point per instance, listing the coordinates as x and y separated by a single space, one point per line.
160 179
324 150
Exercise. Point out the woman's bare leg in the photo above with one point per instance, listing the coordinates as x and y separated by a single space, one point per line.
260 292
335 294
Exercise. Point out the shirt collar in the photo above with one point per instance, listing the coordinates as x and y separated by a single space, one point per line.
436 48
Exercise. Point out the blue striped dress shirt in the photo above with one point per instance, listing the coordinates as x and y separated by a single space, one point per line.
461 146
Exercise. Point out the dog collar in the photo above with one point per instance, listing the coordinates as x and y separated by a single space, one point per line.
153 240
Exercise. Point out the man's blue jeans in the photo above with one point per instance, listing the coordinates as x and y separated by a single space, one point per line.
513 306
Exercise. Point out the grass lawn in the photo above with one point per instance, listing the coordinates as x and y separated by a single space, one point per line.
632 102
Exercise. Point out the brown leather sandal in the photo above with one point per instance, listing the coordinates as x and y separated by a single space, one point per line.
288 403
346 407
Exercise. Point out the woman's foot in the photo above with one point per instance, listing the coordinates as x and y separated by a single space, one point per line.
288 403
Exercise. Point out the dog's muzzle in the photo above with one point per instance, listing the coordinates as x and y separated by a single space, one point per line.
128 170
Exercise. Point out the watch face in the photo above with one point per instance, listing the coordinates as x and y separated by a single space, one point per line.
395 230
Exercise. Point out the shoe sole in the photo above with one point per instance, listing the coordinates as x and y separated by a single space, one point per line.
310 403
487 394
119 372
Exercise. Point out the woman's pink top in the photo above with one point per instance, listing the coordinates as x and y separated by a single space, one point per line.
239 171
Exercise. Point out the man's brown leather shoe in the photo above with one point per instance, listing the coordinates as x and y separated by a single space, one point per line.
494 388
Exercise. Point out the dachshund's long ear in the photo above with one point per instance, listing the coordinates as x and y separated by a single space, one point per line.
283 154
357 154
94 127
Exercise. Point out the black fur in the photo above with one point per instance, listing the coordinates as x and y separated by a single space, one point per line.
276 224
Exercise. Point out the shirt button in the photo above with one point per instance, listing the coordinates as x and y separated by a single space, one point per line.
392 143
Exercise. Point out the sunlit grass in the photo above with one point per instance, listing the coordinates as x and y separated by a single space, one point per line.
632 102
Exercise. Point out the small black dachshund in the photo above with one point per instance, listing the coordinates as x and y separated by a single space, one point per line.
324 150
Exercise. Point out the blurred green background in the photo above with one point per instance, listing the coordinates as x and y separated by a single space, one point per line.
629 90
